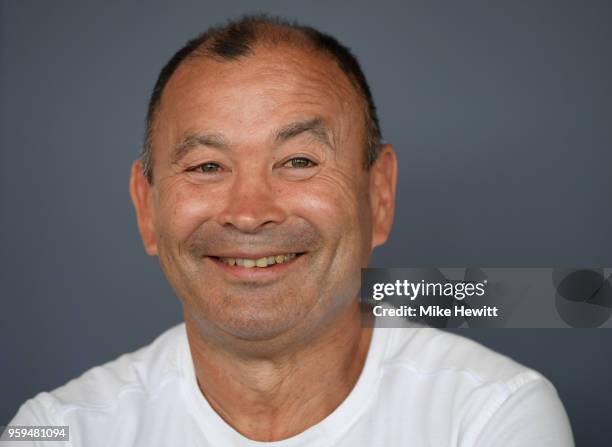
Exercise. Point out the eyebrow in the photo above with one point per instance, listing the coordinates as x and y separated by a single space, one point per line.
199 139
314 126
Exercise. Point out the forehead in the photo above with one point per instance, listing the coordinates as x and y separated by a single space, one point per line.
257 92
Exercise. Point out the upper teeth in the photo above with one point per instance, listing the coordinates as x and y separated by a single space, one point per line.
261 262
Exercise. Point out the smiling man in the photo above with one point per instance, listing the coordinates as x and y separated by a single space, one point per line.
263 188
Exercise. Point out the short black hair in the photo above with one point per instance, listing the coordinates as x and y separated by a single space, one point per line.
236 40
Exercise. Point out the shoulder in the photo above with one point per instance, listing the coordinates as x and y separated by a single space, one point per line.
140 373
494 399
430 351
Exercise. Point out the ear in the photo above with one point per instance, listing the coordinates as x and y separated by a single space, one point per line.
141 192
383 179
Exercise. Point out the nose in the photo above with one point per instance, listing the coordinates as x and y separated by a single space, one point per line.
251 204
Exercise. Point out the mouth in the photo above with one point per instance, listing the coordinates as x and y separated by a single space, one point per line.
266 267
262 262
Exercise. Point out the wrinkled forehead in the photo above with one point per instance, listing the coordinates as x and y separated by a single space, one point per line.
246 98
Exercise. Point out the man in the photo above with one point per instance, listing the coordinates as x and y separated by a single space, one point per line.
263 189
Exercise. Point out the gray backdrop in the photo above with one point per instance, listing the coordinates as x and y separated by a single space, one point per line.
501 114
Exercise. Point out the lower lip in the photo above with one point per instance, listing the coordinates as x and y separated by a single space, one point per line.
259 274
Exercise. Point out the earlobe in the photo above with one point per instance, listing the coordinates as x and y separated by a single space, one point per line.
383 180
140 192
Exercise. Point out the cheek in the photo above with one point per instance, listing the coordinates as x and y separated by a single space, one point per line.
336 204
338 207
183 208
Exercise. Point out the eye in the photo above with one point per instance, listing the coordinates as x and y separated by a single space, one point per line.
299 163
207 168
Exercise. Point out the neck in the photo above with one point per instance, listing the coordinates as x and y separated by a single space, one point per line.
273 397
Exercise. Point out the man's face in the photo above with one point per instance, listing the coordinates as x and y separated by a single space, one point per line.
260 161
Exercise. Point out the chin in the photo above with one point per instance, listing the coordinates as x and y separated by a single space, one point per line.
257 318
255 326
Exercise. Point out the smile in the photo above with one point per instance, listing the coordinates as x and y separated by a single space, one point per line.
261 269
260 262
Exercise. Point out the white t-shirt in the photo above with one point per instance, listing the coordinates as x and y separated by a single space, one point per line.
419 387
